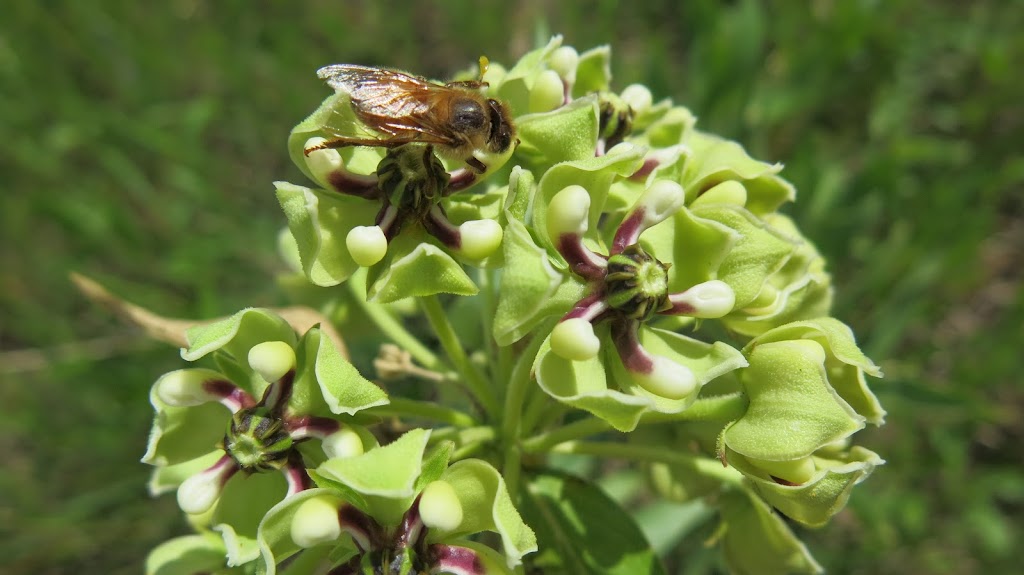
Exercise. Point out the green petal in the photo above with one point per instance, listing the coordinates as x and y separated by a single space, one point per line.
531 288
756 541
323 375
274 533
565 134
241 507
384 477
758 253
846 363
187 555
585 385
487 506
320 222
181 434
416 266
517 83
594 71
237 334
696 247
813 503
706 361
521 188
715 160
793 410
596 174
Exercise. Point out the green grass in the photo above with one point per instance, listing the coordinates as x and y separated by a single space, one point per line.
140 142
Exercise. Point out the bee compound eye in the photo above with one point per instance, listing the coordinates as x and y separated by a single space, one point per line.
468 115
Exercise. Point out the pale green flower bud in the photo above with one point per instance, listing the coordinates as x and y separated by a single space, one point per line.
574 339
342 443
367 245
440 507
187 387
667 379
480 238
548 92
568 212
315 522
272 360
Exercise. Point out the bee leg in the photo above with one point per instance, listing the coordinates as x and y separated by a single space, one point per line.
467 84
371 142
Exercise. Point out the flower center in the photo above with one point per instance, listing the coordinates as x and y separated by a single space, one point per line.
257 441
412 178
636 284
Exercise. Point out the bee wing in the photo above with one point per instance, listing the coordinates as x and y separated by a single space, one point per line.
390 101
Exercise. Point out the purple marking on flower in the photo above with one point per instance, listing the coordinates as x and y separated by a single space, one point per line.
679 307
785 482
581 260
457 560
297 478
629 231
627 343
311 426
389 220
231 396
359 185
438 225
224 469
649 165
459 180
411 530
277 393
589 308
366 533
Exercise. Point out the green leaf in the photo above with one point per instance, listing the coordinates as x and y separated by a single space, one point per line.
385 477
756 541
416 266
487 506
320 222
793 411
531 288
187 555
582 530
324 375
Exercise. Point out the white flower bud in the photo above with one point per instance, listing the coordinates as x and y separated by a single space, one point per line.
547 93
342 443
568 212
662 199
638 97
315 522
185 387
727 192
440 507
324 161
198 493
574 339
564 61
272 359
711 299
367 245
480 238
667 379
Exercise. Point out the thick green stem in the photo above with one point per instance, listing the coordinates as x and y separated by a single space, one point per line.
402 407
576 430
471 375
704 465
518 385
394 331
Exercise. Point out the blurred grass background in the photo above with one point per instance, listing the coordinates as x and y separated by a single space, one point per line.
139 143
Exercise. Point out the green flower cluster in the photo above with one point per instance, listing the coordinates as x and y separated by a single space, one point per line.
637 267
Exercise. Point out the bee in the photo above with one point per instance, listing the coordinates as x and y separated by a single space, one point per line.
456 118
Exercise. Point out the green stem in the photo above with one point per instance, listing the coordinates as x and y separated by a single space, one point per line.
519 383
394 331
729 407
576 430
474 379
402 407
704 465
